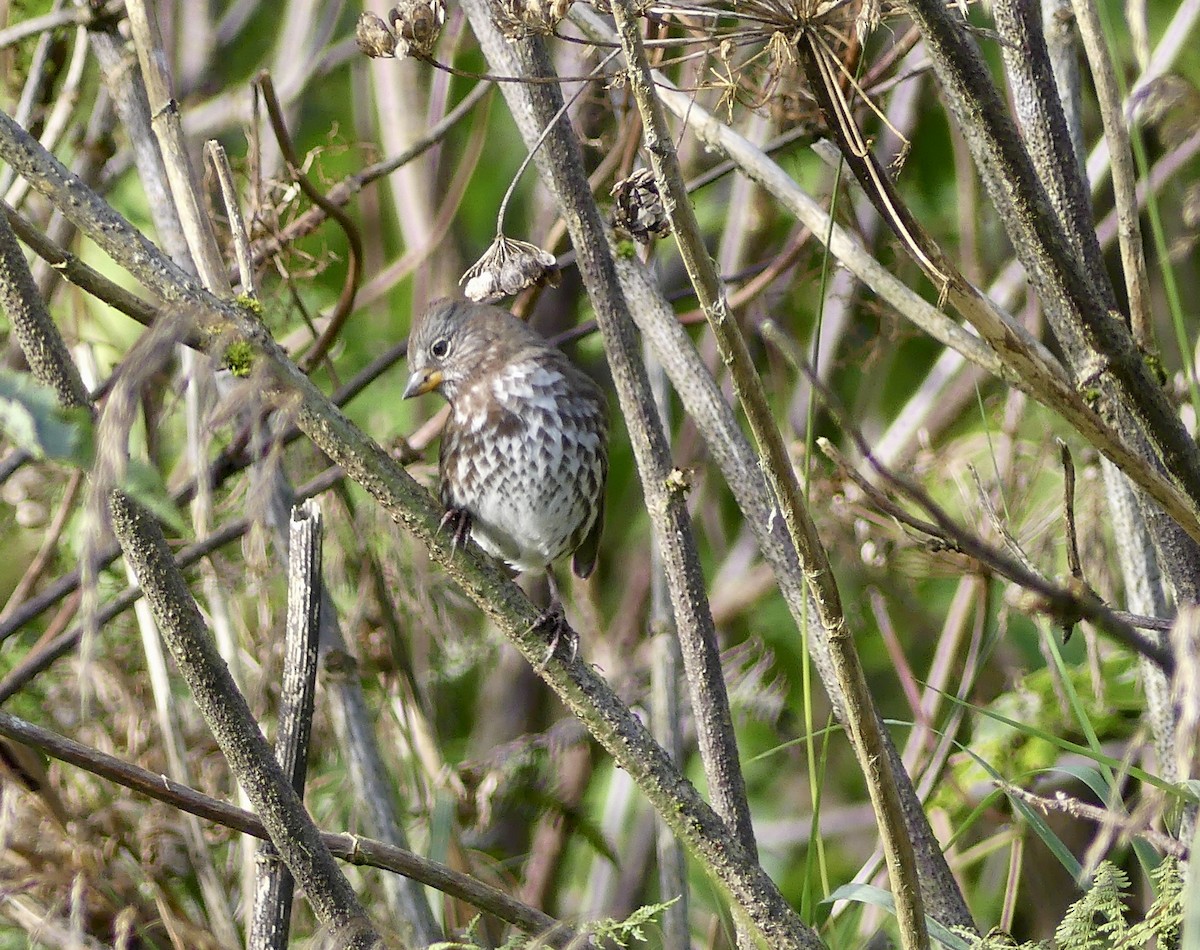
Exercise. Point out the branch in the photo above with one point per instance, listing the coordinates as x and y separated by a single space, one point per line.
232 724
536 107
609 720
353 849
1017 358
864 726
273 884
1072 300
39 339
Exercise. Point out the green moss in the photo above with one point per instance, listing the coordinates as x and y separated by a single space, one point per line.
1154 364
253 304
239 358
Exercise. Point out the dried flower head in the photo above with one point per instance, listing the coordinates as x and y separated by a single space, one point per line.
374 37
508 267
1190 206
518 18
638 208
417 23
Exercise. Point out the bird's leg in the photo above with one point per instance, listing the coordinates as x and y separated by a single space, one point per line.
458 522
554 621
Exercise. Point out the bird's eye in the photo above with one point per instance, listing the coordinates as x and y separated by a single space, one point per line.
440 348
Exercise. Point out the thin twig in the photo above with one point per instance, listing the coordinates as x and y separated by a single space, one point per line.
79 273
1068 465
54 20
353 849
168 130
1124 175
237 226
348 187
55 647
52 536
345 302
1066 605
1064 804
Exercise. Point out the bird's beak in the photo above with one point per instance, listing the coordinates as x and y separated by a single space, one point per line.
422 381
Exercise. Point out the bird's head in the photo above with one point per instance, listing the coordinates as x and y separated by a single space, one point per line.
455 340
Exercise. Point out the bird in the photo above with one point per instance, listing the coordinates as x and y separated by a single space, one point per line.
524 455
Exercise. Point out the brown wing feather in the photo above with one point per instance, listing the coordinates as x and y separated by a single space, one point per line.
583 562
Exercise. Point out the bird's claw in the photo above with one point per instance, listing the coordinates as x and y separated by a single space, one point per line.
458 522
553 620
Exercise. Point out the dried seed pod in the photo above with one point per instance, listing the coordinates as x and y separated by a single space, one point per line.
519 18
1189 207
638 209
374 37
508 267
417 23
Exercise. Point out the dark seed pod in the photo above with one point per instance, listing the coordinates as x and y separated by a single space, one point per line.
638 207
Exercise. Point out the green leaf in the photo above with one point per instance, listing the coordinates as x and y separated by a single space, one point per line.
878 897
32 418
143 483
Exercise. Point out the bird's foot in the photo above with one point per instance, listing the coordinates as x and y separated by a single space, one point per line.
553 621
458 522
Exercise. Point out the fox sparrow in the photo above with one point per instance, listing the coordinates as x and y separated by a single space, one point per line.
525 452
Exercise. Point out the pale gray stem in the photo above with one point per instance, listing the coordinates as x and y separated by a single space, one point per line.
1139 529
862 720
354 724
1076 297
666 667
1124 175
270 920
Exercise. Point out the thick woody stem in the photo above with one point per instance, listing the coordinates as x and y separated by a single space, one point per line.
612 723
536 107
862 719
233 726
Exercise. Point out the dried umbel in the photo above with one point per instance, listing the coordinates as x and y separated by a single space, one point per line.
417 23
412 29
374 37
638 208
518 18
507 268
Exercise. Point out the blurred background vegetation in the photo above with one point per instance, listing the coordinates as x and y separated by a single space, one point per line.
491 775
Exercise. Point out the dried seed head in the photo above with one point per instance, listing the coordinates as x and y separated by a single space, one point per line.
519 18
508 267
1190 206
638 208
870 14
1172 105
417 23
373 37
